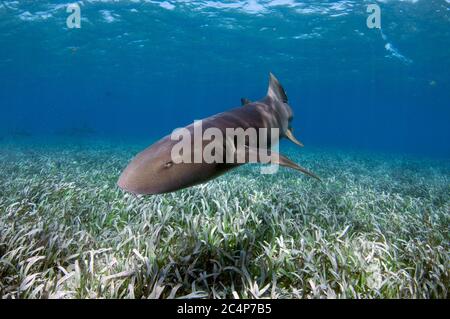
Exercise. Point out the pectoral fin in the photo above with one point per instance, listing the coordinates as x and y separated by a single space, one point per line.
292 138
253 153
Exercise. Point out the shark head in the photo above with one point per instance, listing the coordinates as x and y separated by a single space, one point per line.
277 95
155 171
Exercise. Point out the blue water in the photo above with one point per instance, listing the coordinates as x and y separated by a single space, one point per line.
139 69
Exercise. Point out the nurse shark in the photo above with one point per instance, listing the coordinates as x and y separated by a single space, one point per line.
154 170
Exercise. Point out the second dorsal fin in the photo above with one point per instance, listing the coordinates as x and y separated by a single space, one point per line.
245 101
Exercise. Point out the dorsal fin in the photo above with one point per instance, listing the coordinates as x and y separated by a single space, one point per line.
245 101
275 90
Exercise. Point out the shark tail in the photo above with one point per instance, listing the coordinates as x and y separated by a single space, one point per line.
275 89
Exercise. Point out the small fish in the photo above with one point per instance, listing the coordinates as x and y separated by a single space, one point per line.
154 172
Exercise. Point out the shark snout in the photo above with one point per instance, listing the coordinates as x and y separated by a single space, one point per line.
140 176
130 184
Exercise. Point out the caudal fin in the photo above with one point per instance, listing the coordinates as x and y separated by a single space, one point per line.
275 90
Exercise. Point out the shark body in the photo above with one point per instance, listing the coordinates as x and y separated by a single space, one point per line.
153 171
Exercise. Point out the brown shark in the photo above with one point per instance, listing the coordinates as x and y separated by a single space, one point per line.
153 171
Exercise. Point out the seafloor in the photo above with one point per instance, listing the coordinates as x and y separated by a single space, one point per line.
376 226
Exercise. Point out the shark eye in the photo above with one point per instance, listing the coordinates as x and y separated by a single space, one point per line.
168 164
